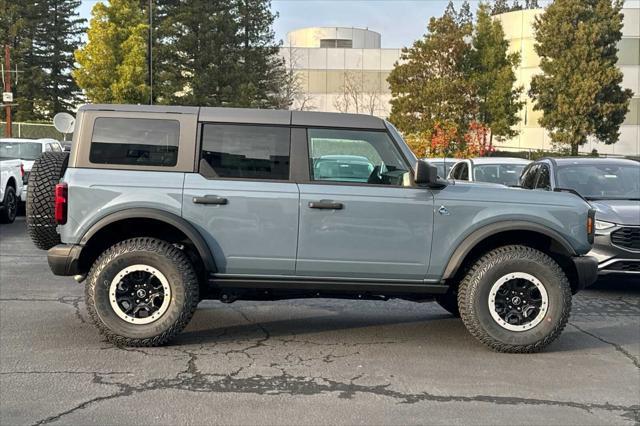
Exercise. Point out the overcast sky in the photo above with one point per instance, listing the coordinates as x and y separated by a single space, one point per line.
399 21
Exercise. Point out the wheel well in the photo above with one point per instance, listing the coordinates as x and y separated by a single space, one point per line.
139 227
11 182
531 239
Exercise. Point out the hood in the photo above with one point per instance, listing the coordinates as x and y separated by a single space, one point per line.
621 212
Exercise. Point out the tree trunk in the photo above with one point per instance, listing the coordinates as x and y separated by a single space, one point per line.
574 149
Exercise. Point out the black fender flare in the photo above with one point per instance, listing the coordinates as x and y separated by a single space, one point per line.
476 237
163 216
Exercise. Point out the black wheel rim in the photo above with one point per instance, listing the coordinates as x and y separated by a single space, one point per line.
139 294
518 301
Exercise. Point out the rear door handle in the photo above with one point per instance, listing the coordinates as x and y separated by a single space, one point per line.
326 205
210 200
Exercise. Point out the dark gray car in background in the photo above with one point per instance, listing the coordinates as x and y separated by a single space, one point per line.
612 187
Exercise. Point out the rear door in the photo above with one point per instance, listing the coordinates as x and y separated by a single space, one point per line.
359 215
242 199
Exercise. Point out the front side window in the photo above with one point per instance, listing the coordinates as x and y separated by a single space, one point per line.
464 172
528 178
245 152
544 179
135 142
355 156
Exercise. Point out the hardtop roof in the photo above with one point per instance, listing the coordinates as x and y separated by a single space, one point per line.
253 116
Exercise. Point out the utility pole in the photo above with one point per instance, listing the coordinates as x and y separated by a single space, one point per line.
150 52
7 89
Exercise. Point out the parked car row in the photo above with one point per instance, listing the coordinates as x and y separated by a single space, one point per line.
19 154
610 185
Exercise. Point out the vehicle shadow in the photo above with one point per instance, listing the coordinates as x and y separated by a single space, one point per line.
431 328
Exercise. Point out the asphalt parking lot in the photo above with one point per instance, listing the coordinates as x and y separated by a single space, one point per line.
305 362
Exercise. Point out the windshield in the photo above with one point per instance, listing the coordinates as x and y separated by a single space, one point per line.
601 181
505 174
21 150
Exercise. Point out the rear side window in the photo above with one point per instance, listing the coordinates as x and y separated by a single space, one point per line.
135 142
245 152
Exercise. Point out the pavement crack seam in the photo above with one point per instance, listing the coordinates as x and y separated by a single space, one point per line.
193 380
617 347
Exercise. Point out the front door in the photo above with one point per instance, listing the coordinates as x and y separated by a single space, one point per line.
242 200
359 215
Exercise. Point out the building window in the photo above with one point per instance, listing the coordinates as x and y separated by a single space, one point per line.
336 43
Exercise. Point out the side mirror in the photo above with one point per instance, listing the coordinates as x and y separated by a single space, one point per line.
426 174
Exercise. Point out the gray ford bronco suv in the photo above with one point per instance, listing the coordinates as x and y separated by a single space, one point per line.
159 207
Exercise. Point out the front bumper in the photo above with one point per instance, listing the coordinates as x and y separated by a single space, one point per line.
64 259
586 271
613 259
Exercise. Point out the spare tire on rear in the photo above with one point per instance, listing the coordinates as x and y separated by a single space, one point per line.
46 172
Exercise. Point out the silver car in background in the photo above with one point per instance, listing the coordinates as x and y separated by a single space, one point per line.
499 170
612 187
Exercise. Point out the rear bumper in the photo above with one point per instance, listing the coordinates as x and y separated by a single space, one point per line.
586 271
64 259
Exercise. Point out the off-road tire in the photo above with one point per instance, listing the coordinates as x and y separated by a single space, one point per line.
449 301
10 203
169 260
47 171
474 290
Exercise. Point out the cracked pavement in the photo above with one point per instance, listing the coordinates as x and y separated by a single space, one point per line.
305 361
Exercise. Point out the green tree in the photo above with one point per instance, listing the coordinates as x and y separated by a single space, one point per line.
430 85
494 77
57 38
112 66
500 6
580 91
219 53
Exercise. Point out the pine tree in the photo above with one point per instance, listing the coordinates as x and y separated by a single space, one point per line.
430 85
531 4
494 77
58 36
515 6
580 90
219 53
112 65
500 6
263 70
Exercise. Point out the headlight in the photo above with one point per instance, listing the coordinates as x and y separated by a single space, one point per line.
602 225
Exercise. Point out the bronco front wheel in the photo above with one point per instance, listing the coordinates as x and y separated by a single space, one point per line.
142 292
515 299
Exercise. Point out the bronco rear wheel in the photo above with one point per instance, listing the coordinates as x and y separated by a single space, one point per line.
46 172
141 292
515 299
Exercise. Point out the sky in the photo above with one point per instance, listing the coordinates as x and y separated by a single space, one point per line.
400 22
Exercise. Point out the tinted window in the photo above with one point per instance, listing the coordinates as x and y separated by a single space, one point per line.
528 179
354 156
247 152
135 142
544 179
464 172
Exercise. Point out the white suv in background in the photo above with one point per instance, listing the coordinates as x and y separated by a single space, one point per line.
499 170
27 150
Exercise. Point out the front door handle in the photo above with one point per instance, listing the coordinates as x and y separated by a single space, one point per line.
326 205
210 200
